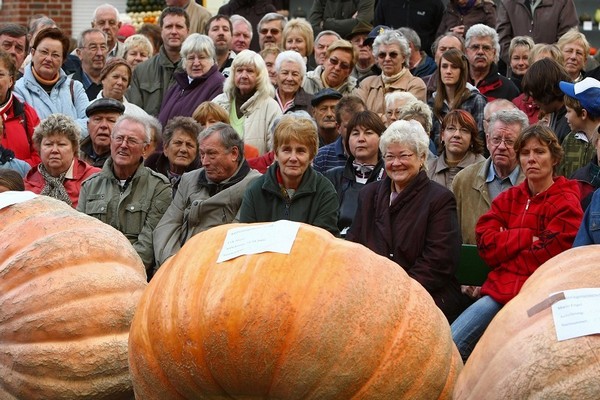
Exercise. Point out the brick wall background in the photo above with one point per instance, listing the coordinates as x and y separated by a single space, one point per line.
19 11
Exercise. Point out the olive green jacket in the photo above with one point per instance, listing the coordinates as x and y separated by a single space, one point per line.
473 197
150 82
133 210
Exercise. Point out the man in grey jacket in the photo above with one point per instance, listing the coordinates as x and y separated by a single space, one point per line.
125 194
207 197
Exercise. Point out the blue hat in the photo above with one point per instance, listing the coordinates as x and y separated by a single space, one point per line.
378 30
323 95
587 92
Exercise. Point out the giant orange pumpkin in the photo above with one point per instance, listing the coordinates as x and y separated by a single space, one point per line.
331 320
519 357
69 285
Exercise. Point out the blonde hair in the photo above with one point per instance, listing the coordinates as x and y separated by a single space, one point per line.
300 129
305 30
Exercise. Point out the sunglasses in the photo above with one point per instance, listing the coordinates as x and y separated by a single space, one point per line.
392 54
274 31
335 62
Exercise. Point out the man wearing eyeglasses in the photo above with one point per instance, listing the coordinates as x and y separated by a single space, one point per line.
270 30
92 49
125 194
483 52
106 18
478 184
335 73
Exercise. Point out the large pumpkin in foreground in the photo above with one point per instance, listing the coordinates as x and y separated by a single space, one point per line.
519 356
69 285
331 320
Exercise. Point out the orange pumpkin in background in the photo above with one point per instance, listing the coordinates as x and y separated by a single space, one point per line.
69 285
519 357
331 320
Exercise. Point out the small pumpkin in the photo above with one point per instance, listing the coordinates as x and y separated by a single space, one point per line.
69 285
519 357
330 320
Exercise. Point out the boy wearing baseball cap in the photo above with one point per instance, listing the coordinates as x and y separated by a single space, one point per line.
582 101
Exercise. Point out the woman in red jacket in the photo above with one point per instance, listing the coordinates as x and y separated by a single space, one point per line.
18 117
61 173
527 225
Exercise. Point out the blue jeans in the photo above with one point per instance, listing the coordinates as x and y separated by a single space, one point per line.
470 325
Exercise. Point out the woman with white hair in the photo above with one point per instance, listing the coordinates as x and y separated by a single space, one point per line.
201 81
410 219
248 97
290 70
392 52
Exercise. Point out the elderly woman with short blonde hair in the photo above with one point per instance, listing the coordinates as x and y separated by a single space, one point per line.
137 49
248 97
416 219
61 172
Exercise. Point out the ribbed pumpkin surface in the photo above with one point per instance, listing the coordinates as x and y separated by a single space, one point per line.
69 285
331 320
519 357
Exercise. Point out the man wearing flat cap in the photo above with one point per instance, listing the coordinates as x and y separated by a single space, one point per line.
365 63
102 115
323 103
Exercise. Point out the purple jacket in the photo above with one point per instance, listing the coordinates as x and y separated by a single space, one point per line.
183 96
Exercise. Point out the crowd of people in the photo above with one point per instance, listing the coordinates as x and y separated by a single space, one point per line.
410 135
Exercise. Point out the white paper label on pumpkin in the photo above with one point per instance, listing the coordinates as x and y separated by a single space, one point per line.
578 314
276 237
10 198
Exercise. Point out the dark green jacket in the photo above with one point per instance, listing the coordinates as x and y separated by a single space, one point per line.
315 202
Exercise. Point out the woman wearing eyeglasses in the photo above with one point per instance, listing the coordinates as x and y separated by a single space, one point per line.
455 92
410 219
201 81
391 51
335 73
46 87
460 146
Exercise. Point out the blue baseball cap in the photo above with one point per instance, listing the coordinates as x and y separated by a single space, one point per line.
587 92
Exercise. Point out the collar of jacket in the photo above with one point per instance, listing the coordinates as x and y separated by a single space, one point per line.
308 184
241 172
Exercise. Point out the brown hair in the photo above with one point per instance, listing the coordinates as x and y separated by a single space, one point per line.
458 59
463 119
541 81
112 64
367 119
546 136
299 129
55 34
209 109
11 180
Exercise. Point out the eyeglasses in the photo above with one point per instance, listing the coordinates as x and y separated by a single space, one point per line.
45 53
392 54
453 129
274 31
476 47
128 140
335 62
94 48
8 45
507 142
401 157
